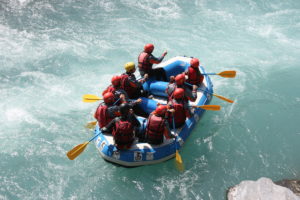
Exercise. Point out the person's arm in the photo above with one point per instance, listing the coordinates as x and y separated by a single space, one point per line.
134 102
113 111
194 92
120 93
167 131
154 60
187 109
191 95
109 126
134 120
133 82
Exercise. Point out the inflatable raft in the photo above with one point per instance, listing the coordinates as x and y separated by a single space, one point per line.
145 153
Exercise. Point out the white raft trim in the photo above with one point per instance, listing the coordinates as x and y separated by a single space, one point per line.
136 163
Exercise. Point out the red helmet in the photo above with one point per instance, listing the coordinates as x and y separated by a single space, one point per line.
178 93
108 97
180 79
148 48
194 62
161 110
115 80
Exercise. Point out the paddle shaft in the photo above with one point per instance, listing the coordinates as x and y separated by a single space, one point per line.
117 101
198 88
224 74
179 163
173 121
94 137
210 74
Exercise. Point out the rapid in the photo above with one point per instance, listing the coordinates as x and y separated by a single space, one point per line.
52 52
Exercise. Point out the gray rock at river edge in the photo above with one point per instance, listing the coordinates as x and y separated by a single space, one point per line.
262 189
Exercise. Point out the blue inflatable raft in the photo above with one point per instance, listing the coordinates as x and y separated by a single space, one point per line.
145 153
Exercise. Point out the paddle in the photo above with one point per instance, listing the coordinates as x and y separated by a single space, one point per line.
216 95
91 125
208 107
179 163
76 151
89 98
225 74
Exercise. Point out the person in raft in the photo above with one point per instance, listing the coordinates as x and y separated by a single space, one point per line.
194 75
128 82
146 61
158 126
123 127
115 88
106 111
181 109
179 83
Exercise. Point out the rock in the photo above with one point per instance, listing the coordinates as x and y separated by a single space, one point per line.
263 189
293 185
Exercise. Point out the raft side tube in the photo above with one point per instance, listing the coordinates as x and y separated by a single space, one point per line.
158 88
175 68
148 105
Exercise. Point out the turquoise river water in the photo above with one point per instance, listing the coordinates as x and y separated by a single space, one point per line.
54 51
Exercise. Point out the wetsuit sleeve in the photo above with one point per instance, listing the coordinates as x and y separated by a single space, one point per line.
191 95
119 92
111 124
167 132
134 120
133 82
113 111
153 60
187 109
132 103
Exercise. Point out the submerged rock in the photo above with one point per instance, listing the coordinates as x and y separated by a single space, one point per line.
263 189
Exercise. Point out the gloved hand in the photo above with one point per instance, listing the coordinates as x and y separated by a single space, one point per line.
165 53
195 87
139 100
172 110
104 130
122 96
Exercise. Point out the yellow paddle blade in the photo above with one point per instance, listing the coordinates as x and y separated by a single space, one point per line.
72 154
91 125
89 98
227 74
223 98
209 107
178 161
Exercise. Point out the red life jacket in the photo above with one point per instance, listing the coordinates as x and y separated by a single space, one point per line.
102 116
144 63
155 128
110 88
123 133
179 114
194 76
125 85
